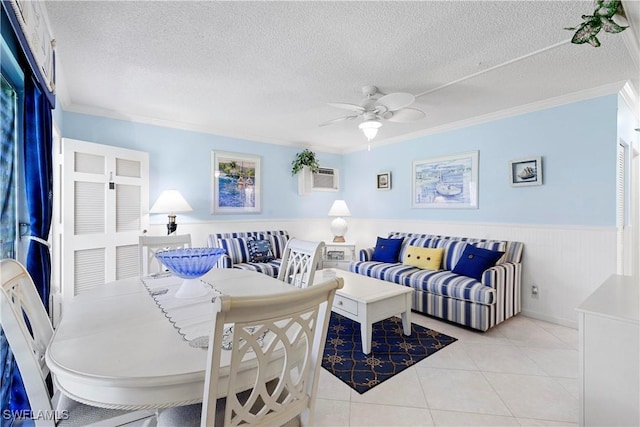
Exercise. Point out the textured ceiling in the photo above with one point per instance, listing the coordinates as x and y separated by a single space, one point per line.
265 71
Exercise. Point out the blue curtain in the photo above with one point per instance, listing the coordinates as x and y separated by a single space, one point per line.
38 162
38 186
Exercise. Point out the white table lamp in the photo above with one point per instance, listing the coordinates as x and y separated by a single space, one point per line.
170 202
339 225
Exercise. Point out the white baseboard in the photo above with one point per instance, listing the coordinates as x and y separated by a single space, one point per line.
551 319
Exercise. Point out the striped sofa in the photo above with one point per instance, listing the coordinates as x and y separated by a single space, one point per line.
477 304
238 256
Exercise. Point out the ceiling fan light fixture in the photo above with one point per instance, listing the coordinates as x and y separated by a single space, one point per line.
370 128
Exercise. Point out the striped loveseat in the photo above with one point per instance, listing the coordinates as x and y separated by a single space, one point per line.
237 247
446 295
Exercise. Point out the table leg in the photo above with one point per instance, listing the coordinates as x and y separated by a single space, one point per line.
366 330
406 317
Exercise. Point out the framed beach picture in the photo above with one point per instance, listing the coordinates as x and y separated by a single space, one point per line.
383 181
446 182
523 172
236 183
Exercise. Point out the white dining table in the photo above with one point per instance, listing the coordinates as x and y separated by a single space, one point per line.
115 348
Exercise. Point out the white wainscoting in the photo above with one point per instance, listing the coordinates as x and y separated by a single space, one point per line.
567 263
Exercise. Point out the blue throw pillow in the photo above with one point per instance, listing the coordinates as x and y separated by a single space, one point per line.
260 251
474 261
387 250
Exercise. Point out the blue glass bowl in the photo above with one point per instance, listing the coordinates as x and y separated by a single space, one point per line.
190 263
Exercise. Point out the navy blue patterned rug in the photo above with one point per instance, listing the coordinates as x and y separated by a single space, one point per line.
391 351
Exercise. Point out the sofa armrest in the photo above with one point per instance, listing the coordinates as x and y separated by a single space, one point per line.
506 279
366 254
224 262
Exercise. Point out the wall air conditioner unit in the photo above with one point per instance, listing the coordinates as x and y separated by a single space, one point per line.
325 179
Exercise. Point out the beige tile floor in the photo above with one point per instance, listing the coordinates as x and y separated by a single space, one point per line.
524 372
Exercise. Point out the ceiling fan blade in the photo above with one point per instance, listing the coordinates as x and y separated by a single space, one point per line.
406 115
350 107
396 101
339 119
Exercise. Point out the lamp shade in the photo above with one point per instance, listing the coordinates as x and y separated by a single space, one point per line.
339 208
170 201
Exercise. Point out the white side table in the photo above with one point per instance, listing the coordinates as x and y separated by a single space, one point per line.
338 255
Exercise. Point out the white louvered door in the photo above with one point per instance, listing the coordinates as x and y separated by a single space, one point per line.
103 210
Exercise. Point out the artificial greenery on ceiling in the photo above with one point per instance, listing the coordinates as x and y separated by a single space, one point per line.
602 19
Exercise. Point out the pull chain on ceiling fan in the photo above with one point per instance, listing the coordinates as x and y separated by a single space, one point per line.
377 107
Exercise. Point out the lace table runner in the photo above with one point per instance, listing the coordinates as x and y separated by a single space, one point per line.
192 317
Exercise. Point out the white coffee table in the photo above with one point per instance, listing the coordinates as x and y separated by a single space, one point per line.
367 300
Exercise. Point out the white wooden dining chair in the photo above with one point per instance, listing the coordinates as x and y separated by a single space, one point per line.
299 262
28 331
148 246
282 387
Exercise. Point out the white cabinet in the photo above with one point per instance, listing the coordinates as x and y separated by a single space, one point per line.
610 354
338 255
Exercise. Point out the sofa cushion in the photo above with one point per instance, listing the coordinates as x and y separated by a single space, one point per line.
424 258
474 261
236 248
391 272
495 245
444 283
239 234
448 284
452 251
278 243
260 251
423 242
270 268
387 250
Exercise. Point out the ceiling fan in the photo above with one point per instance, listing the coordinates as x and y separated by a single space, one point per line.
377 107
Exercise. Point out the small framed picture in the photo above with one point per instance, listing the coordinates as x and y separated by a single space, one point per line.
383 181
523 172
335 255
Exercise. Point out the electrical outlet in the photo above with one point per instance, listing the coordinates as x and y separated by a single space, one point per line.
534 291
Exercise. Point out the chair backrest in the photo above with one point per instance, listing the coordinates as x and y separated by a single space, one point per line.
149 245
28 331
288 357
299 262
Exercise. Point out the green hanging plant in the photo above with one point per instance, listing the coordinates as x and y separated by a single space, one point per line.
305 158
602 19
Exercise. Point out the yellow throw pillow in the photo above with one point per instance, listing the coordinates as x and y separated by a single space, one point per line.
424 258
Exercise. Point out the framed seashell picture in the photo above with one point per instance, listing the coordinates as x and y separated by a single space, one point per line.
524 172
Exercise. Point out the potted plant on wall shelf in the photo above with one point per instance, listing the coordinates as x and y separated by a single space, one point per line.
305 158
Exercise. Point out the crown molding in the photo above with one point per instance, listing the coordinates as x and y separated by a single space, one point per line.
570 98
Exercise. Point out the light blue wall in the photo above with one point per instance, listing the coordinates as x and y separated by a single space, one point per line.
576 141
182 160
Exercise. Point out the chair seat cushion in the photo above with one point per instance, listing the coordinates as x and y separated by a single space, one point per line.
78 414
190 415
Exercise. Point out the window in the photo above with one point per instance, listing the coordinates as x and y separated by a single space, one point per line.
8 125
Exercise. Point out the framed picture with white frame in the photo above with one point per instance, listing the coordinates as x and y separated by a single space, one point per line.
525 172
236 183
449 181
